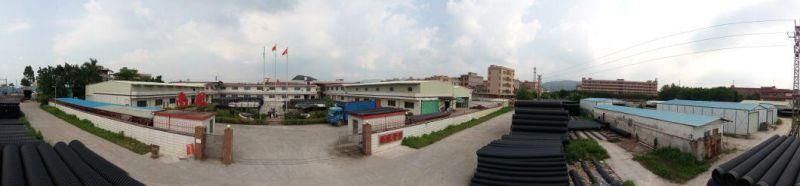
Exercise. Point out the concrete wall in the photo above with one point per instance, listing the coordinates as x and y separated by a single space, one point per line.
379 123
181 125
426 128
171 144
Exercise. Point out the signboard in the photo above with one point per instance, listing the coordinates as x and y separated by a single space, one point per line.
390 137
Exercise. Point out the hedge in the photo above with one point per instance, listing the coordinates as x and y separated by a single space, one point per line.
427 139
120 139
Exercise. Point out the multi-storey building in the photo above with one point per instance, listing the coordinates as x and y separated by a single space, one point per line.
441 78
275 95
500 81
619 86
470 80
142 94
419 97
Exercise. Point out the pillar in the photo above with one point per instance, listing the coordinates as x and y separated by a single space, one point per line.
366 134
227 146
199 143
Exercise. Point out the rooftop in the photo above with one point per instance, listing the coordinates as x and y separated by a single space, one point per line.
597 99
200 85
145 112
713 104
389 83
674 117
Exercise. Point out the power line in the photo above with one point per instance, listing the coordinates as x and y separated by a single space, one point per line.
680 33
668 46
685 54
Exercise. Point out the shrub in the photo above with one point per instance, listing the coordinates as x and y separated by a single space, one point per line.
672 164
779 121
628 183
585 149
117 138
433 137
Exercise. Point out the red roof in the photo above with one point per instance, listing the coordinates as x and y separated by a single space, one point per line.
185 114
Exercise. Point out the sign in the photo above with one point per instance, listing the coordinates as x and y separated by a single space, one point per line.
390 137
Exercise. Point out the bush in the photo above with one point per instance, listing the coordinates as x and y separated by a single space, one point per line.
672 164
585 149
117 138
31 131
304 121
628 183
318 114
433 137
779 121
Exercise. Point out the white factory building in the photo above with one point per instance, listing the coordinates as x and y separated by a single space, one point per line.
142 94
698 135
588 104
418 97
743 118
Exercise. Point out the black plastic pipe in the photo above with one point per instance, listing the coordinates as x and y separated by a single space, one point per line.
753 175
791 169
774 172
577 180
725 167
13 173
540 104
606 176
735 173
59 171
35 171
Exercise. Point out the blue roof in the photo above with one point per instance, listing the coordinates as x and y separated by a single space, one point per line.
84 103
597 99
674 117
713 104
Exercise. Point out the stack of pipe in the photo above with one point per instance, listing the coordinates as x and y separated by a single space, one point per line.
9 107
532 154
776 161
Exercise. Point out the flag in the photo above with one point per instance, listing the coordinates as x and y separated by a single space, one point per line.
285 52
274 47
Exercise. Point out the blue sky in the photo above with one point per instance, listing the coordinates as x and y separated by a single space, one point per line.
356 40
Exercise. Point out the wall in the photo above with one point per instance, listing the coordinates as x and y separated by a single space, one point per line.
179 124
171 144
742 121
426 128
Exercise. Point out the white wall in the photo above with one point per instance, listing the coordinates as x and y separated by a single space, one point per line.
742 121
171 144
426 128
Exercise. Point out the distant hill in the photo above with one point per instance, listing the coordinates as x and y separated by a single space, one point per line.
560 85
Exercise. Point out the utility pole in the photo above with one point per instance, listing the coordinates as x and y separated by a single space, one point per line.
796 85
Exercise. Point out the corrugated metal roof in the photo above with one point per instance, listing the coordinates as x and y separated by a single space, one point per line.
674 117
145 112
83 103
596 99
714 104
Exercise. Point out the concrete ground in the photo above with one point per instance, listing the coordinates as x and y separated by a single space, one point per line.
451 161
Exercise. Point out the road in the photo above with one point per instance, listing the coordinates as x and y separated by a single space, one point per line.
451 161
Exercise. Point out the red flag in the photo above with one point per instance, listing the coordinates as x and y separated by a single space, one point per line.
274 47
285 52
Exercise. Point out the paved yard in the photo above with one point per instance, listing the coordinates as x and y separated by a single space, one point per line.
451 161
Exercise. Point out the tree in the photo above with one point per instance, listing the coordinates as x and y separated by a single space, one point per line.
127 74
60 80
28 76
524 94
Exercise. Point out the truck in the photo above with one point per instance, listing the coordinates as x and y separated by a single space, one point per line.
337 115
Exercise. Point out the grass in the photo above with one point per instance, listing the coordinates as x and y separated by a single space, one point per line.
31 131
427 139
628 183
672 164
585 149
120 139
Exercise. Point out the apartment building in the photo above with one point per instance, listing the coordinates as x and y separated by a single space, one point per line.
500 81
470 80
142 94
419 97
619 86
275 95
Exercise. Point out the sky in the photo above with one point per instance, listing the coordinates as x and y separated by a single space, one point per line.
691 43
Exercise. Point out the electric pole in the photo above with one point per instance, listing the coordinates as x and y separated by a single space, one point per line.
796 85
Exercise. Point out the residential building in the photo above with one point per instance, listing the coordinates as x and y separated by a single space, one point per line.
698 135
418 97
500 81
470 80
142 94
765 93
744 118
274 94
619 86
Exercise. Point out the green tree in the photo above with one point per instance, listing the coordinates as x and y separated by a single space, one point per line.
127 74
58 81
28 76
524 94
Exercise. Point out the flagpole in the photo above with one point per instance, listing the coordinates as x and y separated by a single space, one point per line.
286 103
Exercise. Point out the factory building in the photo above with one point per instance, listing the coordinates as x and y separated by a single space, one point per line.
744 118
142 94
588 104
619 86
698 135
418 97
275 95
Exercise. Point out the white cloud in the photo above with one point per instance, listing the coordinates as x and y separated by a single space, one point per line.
16 26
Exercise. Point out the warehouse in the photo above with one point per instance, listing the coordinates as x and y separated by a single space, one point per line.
419 97
588 104
744 118
142 94
698 135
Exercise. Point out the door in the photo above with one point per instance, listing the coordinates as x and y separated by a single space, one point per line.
429 106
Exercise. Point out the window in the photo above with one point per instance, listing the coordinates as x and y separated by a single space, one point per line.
296 88
141 103
391 89
247 96
271 88
235 88
271 96
409 105
391 103
377 88
283 96
259 88
308 89
171 100
356 89
410 89
246 88
297 97
283 88
159 102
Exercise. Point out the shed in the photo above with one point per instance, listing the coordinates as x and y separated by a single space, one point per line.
587 104
380 118
696 134
183 121
745 118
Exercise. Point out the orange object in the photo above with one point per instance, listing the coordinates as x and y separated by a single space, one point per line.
190 149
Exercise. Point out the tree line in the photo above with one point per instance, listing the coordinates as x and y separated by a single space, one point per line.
70 80
672 91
